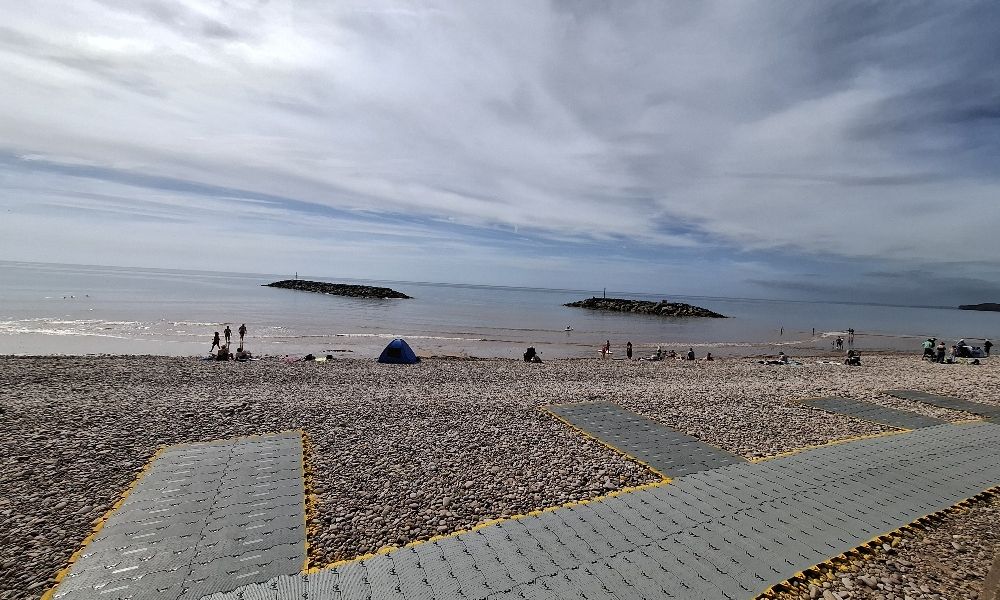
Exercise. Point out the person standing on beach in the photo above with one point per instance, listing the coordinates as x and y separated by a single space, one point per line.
941 349
986 347
243 332
690 353
928 349
606 349
216 342
628 350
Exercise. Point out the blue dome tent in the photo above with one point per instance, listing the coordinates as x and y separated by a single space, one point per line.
398 352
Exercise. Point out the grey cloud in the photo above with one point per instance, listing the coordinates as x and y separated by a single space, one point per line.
912 286
180 18
850 180
846 129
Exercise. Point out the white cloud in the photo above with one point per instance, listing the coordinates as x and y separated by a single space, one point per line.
728 127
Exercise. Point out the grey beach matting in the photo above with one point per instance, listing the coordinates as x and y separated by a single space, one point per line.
666 450
226 521
203 518
976 408
867 411
732 532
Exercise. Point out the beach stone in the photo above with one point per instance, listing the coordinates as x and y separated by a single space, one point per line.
426 431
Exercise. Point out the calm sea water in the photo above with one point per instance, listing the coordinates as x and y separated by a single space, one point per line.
72 309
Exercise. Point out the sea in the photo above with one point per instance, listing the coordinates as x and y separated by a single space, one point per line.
51 309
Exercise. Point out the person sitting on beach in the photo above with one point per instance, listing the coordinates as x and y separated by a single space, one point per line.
242 355
709 356
781 359
309 357
672 354
853 358
690 354
223 353
964 350
530 355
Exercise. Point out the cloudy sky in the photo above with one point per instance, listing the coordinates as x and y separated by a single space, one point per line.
758 149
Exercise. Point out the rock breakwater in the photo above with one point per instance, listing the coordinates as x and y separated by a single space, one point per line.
337 289
646 307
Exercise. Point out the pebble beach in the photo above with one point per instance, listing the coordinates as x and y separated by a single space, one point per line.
403 453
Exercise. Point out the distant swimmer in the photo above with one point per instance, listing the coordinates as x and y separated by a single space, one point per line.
568 328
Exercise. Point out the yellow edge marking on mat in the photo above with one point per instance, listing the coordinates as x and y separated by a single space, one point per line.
588 435
664 480
831 443
488 523
311 499
821 571
99 525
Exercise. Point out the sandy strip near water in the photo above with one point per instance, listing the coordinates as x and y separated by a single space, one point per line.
400 453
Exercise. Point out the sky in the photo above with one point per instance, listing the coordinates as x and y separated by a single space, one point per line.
820 150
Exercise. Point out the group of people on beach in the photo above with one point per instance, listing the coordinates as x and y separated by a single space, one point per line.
937 351
224 353
838 344
658 355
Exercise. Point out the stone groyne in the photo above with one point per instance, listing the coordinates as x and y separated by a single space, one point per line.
645 307
337 289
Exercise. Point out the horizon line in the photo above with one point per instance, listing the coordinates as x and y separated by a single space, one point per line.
663 295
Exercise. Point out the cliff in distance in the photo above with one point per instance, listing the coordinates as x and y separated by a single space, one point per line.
994 306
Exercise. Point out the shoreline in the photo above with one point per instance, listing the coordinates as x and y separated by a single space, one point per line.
342 355
371 345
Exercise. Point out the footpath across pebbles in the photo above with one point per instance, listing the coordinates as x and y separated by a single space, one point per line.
400 453
948 560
